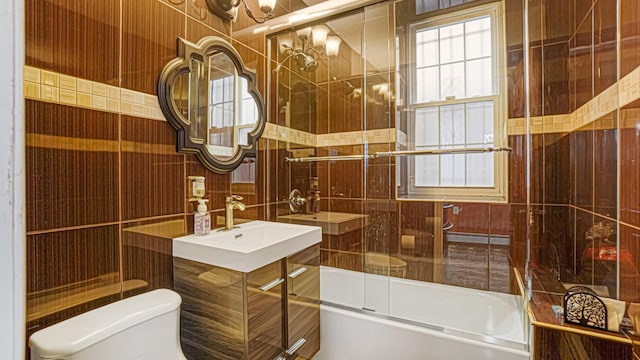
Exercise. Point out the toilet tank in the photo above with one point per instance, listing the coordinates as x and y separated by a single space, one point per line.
143 327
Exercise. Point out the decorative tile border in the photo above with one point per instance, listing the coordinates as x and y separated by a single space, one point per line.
49 86
58 88
620 94
283 133
357 138
629 89
540 125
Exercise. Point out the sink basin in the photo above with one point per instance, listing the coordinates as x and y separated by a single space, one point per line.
332 223
247 246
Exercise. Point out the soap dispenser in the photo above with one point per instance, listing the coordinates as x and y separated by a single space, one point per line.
202 219
196 187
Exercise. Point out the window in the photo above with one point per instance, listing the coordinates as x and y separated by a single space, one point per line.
221 111
229 122
457 102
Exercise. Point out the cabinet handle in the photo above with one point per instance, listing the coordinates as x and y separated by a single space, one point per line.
272 284
447 226
297 272
296 346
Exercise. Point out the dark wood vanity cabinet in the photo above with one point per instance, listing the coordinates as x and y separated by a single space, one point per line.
270 313
265 314
303 303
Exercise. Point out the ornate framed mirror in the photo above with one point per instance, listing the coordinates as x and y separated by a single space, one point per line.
209 97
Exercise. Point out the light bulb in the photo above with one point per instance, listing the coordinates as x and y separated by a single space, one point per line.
233 12
319 35
267 6
285 43
332 46
303 34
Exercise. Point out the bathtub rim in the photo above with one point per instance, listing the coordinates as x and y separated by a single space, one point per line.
485 339
501 345
517 344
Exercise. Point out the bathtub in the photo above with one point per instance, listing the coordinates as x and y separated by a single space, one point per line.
379 317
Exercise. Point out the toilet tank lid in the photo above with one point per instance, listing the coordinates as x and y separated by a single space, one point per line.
78 333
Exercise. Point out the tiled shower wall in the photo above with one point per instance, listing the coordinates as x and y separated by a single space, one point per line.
574 70
106 190
629 123
573 59
323 103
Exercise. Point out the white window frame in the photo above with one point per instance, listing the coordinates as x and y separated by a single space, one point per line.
499 192
240 95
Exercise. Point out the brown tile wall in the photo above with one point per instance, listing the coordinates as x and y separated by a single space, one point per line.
74 38
629 199
106 192
92 175
629 36
580 168
629 159
574 175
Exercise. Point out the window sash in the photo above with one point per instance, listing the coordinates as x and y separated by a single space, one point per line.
460 17
496 192
411 163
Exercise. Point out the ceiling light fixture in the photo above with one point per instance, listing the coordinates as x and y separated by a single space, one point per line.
319 35
333 45
228 9
311 43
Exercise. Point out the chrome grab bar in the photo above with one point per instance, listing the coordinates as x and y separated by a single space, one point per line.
401 153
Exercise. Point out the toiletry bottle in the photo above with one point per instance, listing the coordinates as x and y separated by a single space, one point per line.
202 219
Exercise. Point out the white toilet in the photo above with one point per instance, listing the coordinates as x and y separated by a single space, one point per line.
143 327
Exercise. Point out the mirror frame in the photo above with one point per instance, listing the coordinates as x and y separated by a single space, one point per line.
186 51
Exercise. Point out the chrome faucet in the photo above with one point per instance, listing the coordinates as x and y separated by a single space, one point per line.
312 202
232 202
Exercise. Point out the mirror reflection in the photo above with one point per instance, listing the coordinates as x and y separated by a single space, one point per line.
228 121
214 104
223 111
181 94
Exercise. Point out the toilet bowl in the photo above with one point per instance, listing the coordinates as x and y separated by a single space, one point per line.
143 327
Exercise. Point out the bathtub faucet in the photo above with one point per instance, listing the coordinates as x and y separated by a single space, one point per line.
312 202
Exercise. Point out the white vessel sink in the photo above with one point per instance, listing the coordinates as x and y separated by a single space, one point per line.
247 246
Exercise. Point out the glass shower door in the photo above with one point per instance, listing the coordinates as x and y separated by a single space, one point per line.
381 235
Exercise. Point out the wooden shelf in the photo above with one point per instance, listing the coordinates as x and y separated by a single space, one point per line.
541 314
